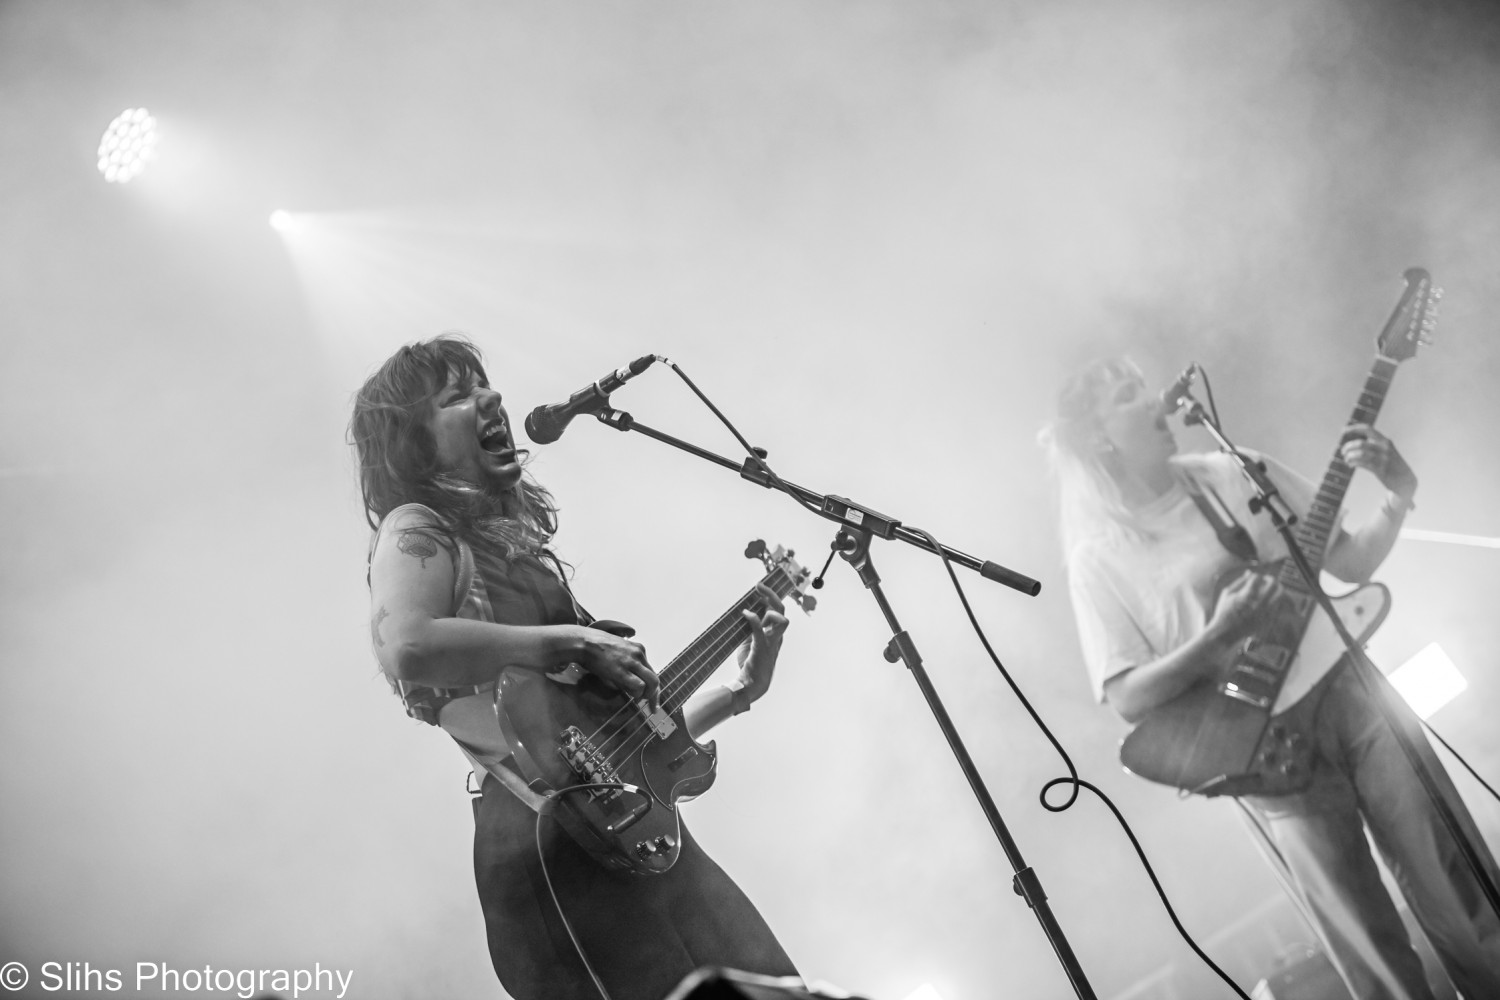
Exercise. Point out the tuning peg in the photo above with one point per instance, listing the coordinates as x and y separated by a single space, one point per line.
756 549
1437 293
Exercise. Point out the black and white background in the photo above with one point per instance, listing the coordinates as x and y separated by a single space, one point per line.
878 235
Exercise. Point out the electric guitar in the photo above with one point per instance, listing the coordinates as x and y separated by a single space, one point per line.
1247 731
613 767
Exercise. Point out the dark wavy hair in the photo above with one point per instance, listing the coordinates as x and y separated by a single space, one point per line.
398 455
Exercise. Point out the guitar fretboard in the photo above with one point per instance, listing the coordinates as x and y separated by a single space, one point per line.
690 668
1314 530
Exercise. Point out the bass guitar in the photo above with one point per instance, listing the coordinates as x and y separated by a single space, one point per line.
613 767
1247 731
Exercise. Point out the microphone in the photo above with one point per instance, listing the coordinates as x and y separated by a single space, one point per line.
1172 396
546 424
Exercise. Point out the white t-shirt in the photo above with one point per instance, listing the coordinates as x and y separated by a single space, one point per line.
1137 599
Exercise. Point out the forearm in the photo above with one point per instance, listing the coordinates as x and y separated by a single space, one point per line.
1136 691
710 707
456 652
1356 555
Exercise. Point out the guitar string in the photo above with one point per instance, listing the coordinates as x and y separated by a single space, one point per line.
704 663
628 709
1320 519
727 619
736 633
629 740
677 681
712 656
1337 479
693 672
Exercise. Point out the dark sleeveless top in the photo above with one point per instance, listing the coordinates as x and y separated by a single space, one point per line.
523 590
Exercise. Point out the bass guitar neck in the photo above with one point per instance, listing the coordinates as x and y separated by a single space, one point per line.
615 767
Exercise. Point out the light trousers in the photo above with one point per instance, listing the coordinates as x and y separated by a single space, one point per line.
1362 778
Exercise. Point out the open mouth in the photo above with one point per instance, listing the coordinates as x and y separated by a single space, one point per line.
496 441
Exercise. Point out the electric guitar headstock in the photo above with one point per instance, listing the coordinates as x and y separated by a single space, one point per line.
797 575
1414 320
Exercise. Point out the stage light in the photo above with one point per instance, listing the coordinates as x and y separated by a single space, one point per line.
924 992
1428 680
128 145
280 220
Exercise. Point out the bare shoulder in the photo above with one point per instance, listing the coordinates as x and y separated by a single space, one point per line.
411 543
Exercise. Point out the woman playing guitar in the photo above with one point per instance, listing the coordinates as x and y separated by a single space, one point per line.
1148 537
463 583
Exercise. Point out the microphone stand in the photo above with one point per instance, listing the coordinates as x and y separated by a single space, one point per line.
857 526
1376 687
840 509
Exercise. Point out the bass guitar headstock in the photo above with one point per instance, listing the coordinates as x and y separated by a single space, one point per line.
1414 320
796 574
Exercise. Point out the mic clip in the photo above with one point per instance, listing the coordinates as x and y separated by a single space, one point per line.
860 518
754 469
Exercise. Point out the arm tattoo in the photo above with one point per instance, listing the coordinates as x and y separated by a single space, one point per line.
380 616
417 545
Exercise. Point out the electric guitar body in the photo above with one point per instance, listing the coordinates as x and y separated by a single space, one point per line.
1248 731
1209 742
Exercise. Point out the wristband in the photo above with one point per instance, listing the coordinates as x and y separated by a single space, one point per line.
739 700
1397 507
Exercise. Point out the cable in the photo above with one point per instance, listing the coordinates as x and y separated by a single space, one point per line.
541 857
756 456
1460 758
1209 389
1073 779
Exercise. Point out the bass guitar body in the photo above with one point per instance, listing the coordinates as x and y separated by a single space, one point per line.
612 768
567 729
1247 732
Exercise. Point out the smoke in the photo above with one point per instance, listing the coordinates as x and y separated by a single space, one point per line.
877 235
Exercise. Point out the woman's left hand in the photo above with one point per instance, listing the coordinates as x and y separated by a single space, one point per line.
1364 447
757 657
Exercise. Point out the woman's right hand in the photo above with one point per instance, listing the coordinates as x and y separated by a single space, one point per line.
619 662
1240 603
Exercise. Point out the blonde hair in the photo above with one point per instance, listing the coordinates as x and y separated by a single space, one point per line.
1090 504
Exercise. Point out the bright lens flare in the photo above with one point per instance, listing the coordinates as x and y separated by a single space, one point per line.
280 220
924 992
128 145
1428 681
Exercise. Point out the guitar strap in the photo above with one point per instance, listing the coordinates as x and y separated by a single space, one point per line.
505 772
1232 534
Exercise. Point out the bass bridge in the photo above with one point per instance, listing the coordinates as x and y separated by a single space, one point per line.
587 762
